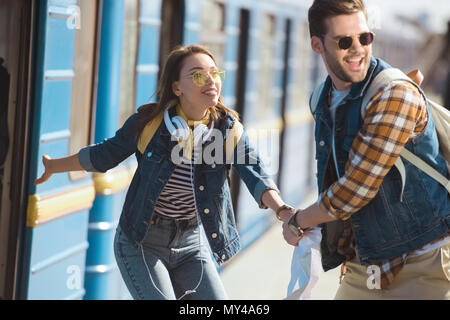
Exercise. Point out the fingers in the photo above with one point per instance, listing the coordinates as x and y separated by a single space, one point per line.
45 176
289 236
286 214
42 179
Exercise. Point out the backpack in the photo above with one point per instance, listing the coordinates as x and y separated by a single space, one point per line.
439 114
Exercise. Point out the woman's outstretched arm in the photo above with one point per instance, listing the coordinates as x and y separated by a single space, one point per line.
70 163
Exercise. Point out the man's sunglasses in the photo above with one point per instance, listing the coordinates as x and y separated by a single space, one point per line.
200 77
346 42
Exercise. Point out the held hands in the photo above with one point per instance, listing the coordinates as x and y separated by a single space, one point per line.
289 236
48 172
284 214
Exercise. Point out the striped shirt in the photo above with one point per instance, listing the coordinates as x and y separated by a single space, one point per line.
396 114
176 200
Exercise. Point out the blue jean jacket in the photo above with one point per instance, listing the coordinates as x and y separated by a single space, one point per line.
388 226
212 191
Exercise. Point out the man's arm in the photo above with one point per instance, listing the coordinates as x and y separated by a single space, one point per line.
396 112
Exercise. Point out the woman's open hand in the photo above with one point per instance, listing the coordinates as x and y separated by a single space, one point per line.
47 172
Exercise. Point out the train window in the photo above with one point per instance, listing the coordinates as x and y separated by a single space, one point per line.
303 67
82 82
127 96
171 32
212 29
266 69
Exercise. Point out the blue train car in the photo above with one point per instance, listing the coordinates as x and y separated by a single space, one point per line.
87 67
72 71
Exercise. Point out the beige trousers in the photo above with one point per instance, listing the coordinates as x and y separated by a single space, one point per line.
425 277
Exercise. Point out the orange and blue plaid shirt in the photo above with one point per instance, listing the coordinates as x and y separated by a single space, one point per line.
395 114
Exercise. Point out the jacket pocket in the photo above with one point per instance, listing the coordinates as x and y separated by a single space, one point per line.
151 157
216 178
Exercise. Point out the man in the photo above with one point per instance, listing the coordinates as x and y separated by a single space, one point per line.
394 245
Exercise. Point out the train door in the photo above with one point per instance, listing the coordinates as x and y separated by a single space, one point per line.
261 112
286 42
114 104
212 29
240 89
136 37
147 68
16 21
55 242
298 154
218 33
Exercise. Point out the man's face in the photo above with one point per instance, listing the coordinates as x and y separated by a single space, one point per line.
344 66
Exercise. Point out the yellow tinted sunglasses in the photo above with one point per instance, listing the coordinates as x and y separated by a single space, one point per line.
201 77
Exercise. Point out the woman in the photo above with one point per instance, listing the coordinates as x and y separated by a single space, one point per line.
159 247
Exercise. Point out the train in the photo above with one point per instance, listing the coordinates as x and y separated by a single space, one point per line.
71 73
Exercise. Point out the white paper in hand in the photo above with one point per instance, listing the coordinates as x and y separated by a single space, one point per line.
306 265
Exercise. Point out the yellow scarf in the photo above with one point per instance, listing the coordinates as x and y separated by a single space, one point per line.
187 149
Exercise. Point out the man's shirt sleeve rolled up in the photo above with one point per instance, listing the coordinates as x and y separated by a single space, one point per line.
395 114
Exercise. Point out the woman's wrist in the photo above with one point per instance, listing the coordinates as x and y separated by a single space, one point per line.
284 212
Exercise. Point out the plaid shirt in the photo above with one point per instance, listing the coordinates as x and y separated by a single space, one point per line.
396 114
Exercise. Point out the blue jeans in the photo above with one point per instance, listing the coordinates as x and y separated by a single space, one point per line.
170 263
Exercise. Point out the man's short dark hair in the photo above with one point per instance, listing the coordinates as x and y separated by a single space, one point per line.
323 9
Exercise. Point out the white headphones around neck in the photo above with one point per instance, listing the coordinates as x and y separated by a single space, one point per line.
179 129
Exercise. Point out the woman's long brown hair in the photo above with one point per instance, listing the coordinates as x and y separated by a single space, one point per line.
170 74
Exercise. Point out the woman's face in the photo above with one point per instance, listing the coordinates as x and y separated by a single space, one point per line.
199 85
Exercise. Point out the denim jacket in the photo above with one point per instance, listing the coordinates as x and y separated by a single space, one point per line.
388 226
212 191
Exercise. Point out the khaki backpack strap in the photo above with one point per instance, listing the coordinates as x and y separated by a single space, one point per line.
401 169
149 131
425 167
382 79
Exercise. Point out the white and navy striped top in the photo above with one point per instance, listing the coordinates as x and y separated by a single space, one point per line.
176 200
